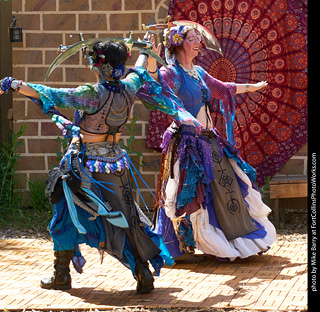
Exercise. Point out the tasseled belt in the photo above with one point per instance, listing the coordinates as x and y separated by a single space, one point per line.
105 157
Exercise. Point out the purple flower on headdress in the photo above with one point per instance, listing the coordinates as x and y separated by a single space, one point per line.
114 72
174 36
177 39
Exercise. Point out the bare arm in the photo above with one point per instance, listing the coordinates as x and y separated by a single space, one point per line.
249 87
28 91
153 69
152 63
24 89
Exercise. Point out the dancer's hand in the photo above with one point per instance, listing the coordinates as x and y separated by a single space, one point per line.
154 48
150 38
257 86
152 62
250 87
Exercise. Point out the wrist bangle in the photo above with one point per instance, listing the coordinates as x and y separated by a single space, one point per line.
5 84
150 72
15 85
144 53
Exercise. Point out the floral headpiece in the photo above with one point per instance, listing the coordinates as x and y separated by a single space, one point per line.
174 36
114 72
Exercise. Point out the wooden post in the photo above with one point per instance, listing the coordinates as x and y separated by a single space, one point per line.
5 69
277 213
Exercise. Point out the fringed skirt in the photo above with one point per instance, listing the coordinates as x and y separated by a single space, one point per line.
207 198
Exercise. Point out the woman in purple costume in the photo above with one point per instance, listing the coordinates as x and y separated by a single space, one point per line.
206 196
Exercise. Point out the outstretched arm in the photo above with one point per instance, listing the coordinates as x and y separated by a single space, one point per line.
17 85
83 97
63 123
249 87
240 88
28 91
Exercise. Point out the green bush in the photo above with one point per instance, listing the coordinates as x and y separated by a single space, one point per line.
36 198
10 199
33 211
37 208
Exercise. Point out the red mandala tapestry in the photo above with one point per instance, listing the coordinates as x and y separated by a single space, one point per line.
260 40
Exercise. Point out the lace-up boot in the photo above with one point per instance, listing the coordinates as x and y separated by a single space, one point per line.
61 278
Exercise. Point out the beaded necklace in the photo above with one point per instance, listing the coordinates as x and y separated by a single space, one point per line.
191 72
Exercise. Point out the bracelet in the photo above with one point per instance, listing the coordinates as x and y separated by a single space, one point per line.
5 84
152 72
144 53
8 83
15 85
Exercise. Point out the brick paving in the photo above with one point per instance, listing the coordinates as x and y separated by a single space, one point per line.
276 280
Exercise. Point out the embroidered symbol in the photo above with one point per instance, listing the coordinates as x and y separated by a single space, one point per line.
225 181
233 206
216 156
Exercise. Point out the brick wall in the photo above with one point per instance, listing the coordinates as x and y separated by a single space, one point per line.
49 23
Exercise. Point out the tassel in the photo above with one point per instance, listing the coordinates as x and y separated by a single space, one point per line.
72 208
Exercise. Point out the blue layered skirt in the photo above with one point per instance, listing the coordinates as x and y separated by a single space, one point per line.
72 225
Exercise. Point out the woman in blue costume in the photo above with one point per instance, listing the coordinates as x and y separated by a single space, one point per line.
206 195
91 190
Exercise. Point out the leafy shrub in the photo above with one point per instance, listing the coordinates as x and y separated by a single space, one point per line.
10 198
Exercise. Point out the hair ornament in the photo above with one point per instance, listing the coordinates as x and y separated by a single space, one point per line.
177 39
114 72
174 36
101 56
128 50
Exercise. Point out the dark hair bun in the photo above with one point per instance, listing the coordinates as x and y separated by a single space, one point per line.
115 53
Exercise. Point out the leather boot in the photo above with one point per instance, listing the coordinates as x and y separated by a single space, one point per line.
144 278
61 278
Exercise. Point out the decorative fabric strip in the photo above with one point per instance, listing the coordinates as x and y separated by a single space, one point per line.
105 157
193 152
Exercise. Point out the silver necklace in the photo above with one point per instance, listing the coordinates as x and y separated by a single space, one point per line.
191 72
